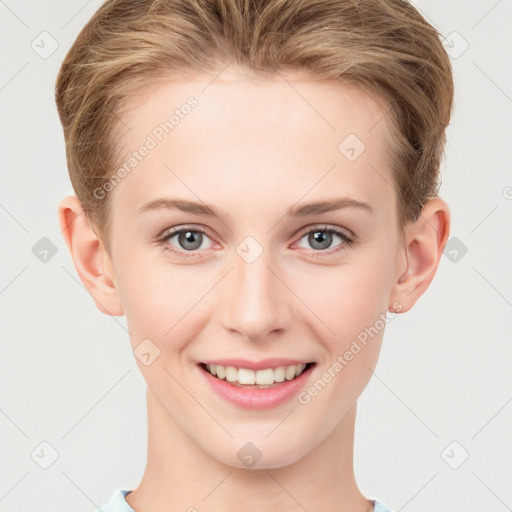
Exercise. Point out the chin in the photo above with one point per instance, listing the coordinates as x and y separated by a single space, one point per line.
260 453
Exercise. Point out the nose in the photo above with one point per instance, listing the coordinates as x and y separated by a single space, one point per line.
256 304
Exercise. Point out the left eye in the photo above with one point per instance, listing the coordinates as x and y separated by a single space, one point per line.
321 238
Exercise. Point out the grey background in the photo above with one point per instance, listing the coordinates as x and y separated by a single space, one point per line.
69 378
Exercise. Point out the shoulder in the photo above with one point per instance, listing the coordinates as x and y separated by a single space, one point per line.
380 507
117 502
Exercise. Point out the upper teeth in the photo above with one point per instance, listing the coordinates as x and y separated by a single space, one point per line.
246 376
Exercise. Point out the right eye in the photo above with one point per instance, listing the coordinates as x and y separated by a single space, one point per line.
188 239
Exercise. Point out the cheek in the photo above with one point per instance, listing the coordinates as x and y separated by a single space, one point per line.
160 300
351 303
345 300
355 304
352 309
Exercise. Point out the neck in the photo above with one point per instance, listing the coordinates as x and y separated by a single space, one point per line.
180 476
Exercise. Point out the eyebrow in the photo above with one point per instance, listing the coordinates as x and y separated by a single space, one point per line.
196 208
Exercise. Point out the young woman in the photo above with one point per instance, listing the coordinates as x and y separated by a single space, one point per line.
257 192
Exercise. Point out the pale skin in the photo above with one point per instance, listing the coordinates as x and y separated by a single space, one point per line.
253 149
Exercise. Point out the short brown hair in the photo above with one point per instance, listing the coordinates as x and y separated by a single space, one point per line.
384 46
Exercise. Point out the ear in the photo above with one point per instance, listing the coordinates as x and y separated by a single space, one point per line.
424 242
91 260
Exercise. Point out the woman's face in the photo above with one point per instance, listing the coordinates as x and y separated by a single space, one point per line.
279 278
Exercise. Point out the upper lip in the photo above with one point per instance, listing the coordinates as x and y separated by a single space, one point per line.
257 365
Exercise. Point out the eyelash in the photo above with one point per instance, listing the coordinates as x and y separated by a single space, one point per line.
347 241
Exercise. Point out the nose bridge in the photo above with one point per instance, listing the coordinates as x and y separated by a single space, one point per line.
255 304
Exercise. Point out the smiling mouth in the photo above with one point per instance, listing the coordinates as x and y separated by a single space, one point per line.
256 379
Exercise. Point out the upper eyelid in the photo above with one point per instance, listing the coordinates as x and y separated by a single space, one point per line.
325 227
174 230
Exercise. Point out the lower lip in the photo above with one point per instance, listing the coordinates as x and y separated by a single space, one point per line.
252 398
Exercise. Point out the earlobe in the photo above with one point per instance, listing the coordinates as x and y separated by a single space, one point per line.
89 256
423 247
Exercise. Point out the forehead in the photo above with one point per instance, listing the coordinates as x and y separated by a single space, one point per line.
285 131
279 100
